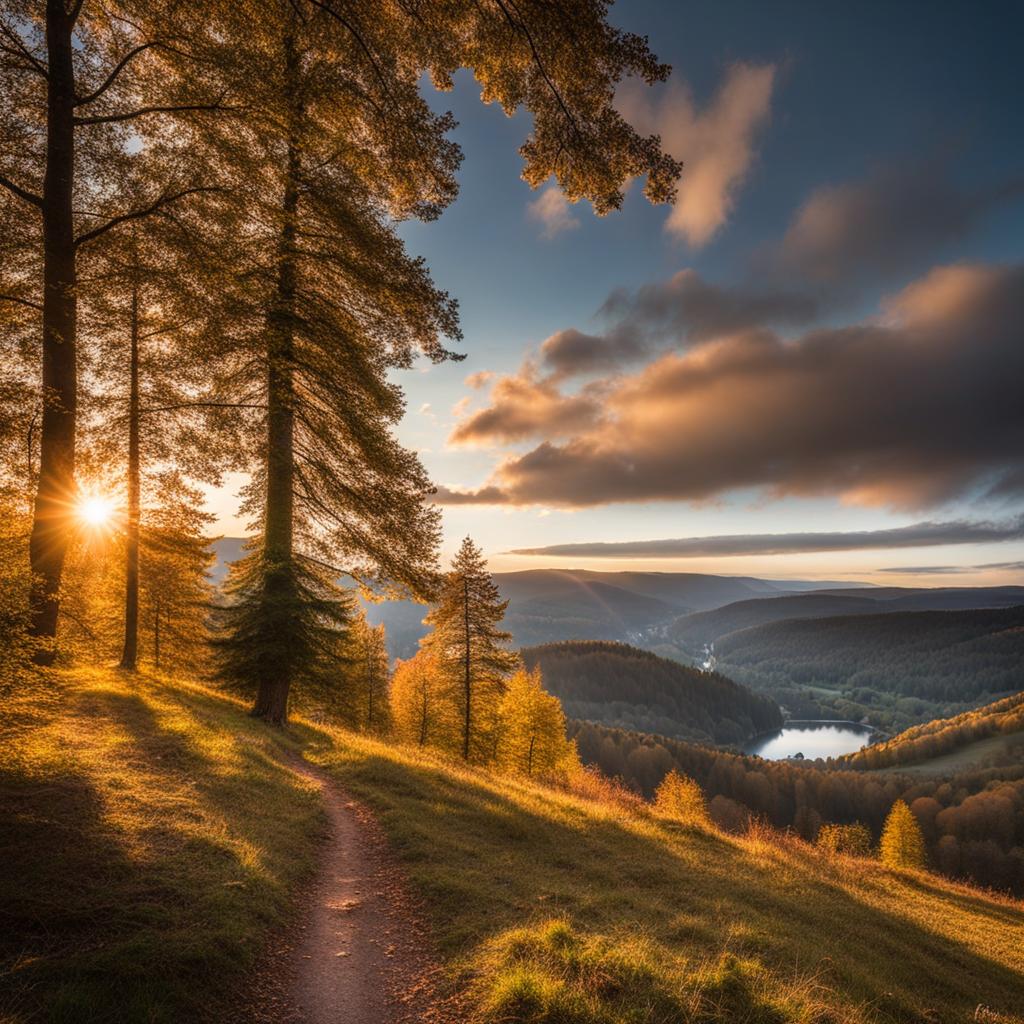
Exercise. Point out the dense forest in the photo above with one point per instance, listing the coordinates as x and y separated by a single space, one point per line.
893 671
620 685
1004 718
973 822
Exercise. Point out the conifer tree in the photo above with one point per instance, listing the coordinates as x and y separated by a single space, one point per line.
420 710
902 844
367 676
70 110
679 797
532 727
469 649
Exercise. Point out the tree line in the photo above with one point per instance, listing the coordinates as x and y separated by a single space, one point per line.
972 822
200 272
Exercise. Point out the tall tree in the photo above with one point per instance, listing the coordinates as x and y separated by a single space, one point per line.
469 648
367 696
71 108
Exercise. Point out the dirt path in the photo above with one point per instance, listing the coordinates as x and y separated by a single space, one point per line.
361 956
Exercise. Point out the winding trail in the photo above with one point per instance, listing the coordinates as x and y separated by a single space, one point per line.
359 955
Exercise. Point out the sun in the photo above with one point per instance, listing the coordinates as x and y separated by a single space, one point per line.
95 509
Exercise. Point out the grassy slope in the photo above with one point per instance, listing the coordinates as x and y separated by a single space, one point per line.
978 754
150 837
557 909
136 812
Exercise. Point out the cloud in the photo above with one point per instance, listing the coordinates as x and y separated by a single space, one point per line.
453 496
524 405
925 534
908 412
716 145
884 225
551 209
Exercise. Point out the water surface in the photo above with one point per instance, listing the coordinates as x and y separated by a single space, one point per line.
812 739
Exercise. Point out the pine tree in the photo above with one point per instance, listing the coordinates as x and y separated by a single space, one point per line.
680 798
468 646
532 726
902 844
366 699
70 112
420 710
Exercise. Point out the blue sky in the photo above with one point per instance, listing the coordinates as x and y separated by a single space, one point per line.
880 100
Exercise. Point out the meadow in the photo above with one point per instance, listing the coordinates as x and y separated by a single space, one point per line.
176 841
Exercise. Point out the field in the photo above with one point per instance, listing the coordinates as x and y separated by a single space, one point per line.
159 839
975 755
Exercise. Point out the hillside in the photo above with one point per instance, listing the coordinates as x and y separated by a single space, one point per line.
896 670
621 685
543 905
989 733
693 631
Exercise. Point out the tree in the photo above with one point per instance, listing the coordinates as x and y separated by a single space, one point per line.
175 591
902 844
852 840
420 709
680 798
71 104
468 647
367 677
532 727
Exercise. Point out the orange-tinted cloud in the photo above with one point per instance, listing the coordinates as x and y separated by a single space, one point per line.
716 144
906 412
552 211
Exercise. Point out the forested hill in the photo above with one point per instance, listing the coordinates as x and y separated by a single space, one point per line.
620 685
945 657
988 733
692 631
972 821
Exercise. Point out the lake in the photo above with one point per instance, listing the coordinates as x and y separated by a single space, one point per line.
812 739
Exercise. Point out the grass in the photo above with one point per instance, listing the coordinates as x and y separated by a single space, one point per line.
552 908
153 839
978 754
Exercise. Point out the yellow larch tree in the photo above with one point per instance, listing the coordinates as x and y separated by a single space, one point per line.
532 728
902 842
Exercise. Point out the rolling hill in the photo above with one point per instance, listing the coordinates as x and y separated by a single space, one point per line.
156 839
619 685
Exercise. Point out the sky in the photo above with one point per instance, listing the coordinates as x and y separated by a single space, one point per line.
811 365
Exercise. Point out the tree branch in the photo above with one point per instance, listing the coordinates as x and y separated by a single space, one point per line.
113 76
35 64
147 211
131 115
203 405
21 302
21 193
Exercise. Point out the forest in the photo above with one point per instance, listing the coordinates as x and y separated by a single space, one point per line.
893 671
972 822
615 684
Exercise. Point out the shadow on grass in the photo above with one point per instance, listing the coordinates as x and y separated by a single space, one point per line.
489 862
148 846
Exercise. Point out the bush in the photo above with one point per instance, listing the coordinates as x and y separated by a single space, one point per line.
851 840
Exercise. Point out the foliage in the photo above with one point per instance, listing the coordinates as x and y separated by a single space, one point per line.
972 821
621 685
420 712
852 840
550 906
364 699
532 729
680 798
902 844
469 650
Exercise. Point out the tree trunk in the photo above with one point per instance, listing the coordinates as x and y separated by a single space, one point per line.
55 492
529 756
130 654
467 675
156 637
279 594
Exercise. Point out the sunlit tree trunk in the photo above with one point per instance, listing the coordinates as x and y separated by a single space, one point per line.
130 654
55 491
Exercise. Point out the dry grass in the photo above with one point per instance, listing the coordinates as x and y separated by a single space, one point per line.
150 840
568 909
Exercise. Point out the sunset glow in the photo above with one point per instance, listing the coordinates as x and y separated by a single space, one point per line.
95 509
